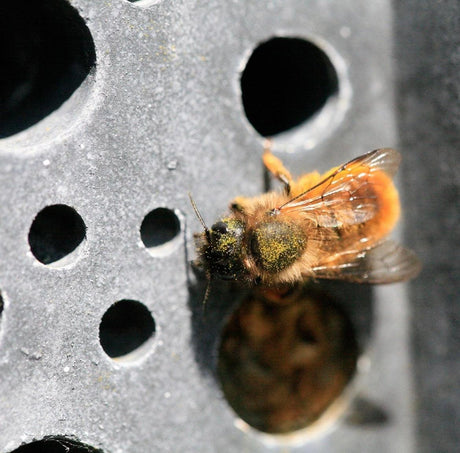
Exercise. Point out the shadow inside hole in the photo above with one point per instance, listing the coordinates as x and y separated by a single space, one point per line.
357 302
56 231
209 317
1 304
47 52
284 359
281 382
125 327
159 227
56 444
286 81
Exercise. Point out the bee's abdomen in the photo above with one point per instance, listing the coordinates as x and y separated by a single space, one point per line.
276 245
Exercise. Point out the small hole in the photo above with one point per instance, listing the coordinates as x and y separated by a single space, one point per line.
144 3
56 232
286 81
56 444
2 304
126 328
159 228
47 52
283 364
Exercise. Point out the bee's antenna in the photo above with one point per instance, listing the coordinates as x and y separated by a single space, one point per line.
207 292
199 216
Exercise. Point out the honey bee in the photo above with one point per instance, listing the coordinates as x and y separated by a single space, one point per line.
333 226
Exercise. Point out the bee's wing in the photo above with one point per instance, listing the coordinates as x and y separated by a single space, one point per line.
387 262
348 194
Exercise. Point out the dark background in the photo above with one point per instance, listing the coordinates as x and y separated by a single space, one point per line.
427 50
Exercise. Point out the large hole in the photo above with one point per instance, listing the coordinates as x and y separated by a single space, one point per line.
125 330
46 52
285 82
55 235
158 230
56 444
284 359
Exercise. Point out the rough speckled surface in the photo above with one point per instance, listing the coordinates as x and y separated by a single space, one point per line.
160 116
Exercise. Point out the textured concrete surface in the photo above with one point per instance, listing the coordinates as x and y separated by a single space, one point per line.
159 115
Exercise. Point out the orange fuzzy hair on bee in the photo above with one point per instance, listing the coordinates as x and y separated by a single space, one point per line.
330 226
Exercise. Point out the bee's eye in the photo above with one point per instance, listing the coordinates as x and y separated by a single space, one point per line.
220 227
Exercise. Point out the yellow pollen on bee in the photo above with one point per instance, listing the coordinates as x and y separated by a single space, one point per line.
277 245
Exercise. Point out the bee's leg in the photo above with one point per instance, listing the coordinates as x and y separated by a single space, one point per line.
276 167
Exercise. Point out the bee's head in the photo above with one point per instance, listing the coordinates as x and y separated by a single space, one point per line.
222 253
220 247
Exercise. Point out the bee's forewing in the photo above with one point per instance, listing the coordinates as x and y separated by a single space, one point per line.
388 262
349 194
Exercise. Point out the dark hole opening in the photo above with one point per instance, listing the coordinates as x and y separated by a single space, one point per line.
56 232
46 52
283 361
285 82
159 226
56 445
125 326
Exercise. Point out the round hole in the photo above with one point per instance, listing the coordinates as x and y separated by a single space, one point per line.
46 52
2 304
159 228
286 81
55 235
56 444
144 3
284 362
125 330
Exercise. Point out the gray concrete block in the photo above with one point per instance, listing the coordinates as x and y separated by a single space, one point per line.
112 112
